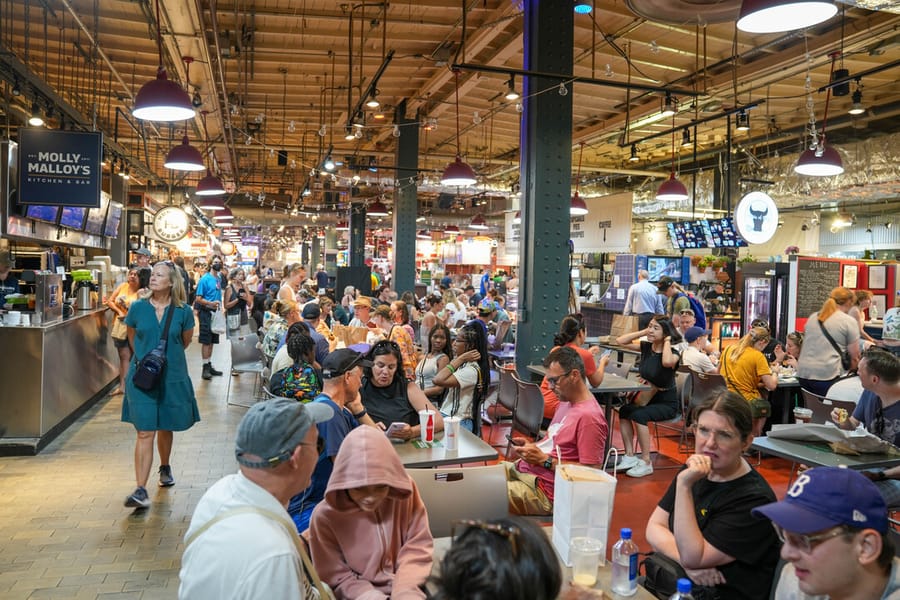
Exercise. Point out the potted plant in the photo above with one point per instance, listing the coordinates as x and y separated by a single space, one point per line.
792 250
720 263
695 260
705 262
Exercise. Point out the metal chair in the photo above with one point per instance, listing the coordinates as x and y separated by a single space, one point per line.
821 407
507 398
247 358
529 411
502 329
622 369
461 493
680 422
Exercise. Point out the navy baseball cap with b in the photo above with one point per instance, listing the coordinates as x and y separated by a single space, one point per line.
825 497
272 429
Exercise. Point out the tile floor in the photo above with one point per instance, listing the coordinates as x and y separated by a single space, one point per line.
64 532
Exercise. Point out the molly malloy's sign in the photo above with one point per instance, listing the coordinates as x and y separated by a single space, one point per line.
59 167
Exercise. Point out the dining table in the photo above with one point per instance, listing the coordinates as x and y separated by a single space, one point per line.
820 454
424 455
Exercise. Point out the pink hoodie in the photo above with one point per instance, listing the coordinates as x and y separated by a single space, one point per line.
379 554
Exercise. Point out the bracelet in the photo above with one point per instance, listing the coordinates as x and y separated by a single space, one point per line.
450 368
360 414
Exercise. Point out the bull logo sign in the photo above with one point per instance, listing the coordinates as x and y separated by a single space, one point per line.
756 218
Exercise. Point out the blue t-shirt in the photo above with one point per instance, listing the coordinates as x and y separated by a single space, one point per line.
208 288
866 412
333 433
322 279
10 285
485 284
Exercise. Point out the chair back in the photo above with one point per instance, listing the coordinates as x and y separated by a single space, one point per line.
508 393
704 386
821 407
461 493
502 329
529 409
245 356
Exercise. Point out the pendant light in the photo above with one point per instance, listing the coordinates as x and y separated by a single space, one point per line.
210 202
672 189
478 223
577 207
423 234
451 229
161 99
224 214
210 185
458 173
774 16
342 225
820 160
36 119
184 157
377 209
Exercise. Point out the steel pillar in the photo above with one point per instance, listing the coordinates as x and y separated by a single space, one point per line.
405 203
546 180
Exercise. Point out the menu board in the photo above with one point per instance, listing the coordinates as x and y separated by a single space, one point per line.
815 280
73 217
723 234
677 240
113 218
687 234
39 212
96 217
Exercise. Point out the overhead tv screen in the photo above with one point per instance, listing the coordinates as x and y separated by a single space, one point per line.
73 217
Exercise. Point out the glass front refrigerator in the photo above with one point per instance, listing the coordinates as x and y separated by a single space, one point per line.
764 295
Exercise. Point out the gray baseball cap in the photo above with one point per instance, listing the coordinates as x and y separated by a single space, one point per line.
272 430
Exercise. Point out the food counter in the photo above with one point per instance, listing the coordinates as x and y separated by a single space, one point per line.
50 375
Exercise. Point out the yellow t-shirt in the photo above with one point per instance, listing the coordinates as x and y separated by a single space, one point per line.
744 374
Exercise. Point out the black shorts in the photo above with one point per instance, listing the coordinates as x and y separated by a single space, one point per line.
121 343
662 407
206 335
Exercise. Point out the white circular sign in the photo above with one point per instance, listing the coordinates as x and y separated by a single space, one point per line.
171 223
756 218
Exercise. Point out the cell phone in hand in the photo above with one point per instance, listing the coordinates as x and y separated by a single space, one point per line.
606 352
514 442
395 428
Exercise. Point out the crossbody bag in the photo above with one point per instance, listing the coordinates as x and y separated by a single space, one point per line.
325 592
148 372
845 356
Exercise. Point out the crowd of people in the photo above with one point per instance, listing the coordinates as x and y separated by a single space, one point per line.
316 460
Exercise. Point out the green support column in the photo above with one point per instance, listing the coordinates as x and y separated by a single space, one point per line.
405 203
546 179
357 234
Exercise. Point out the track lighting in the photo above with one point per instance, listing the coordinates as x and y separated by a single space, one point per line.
685 138
36 119
742 121
329 163
857 107
511 93
373 102
634 155
668 106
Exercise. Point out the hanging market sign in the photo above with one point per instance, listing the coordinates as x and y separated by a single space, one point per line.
59 167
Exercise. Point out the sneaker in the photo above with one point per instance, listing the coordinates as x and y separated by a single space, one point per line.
138 499
213 371
640 470
207 374
165 476
626 462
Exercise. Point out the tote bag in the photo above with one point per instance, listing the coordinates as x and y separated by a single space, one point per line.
582 506
217 324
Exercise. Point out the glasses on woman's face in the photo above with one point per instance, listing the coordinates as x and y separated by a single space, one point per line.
807 543
466 525
722 437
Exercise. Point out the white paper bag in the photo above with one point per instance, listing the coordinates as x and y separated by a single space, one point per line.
217 324
582 506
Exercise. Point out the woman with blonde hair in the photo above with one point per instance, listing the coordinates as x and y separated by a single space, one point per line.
746 369
170 406
287 312
119 302
862 303
830 343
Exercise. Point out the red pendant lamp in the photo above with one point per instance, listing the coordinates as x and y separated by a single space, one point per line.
577 206
672 189
458 173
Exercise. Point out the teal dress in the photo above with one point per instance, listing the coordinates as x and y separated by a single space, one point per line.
172 406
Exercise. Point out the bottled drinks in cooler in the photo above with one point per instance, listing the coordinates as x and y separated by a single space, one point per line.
624 565
684 590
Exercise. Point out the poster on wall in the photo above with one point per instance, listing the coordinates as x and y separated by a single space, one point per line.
59 167
850 273
877 277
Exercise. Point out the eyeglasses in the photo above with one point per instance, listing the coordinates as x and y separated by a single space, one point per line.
721 436
553 381
687 313
466 525
807 543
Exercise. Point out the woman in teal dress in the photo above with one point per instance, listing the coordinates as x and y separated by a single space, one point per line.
171 406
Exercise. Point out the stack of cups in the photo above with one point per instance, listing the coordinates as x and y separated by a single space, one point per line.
451 434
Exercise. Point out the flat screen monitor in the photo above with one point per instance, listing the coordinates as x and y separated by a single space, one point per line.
113 218
96 217
689 237
677 241
724 234
73 217
662 266
39 212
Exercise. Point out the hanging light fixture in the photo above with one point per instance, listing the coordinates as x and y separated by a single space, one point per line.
423 234
742 121
458 173
36 119
672 189
184 157
819 160
377 209
373 102
478 222
210 185
342 225
686 138
329 163
211 203
451 229
161 99
773 16
634 156
577 207
224 214
668 106
511 93
857 107
582 7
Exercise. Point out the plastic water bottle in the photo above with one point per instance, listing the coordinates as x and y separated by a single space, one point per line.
624 565
684 591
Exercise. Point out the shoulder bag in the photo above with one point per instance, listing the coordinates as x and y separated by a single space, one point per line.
150 369
233 314
845 356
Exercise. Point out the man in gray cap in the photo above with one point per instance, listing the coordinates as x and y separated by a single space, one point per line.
142 258
241 542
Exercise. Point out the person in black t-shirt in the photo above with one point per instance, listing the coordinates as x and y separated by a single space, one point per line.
703 521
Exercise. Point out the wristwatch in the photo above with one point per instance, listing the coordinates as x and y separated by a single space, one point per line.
548 464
